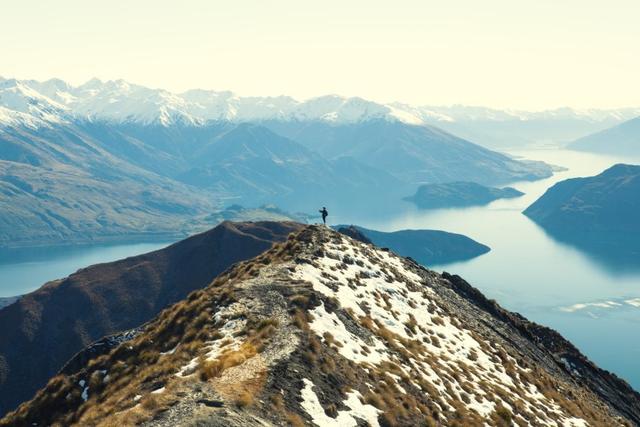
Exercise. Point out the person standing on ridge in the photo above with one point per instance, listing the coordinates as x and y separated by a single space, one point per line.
324 213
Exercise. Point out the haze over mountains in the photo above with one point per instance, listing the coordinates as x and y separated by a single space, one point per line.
111 160
37 102
622 139
516 129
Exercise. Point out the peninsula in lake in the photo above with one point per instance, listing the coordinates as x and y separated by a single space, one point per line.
599 215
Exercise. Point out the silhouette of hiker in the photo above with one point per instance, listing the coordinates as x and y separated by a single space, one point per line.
324 213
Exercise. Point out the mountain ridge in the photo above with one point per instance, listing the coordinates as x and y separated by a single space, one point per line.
412 153
92 181
289 337
67 314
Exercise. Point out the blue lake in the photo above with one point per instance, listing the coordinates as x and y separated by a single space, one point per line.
24 270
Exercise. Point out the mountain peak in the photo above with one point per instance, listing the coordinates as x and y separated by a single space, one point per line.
622 169
92 83
325 330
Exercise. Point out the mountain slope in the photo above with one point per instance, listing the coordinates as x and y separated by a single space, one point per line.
622 139
414 154
459 194
504 129
59 183
609 202
260 166
121 104
52 323
93 181
324 330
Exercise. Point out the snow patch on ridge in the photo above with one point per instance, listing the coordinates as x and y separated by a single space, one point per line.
350 345
312 406
376 284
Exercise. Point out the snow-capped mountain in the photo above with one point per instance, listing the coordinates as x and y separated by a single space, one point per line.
21 103
54 100
36 103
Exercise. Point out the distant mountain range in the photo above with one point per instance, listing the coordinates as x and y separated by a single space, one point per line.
111 160
414 154
622 140
38 103
499 129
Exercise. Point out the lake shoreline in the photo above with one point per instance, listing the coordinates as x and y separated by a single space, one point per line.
119 239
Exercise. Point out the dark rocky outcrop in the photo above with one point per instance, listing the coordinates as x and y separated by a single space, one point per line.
353 232
5 301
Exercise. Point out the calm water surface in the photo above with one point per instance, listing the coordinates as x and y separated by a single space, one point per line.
592 301
23 270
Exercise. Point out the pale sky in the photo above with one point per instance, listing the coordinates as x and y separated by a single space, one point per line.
502 53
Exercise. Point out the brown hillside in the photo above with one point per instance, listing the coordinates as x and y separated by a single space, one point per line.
45 328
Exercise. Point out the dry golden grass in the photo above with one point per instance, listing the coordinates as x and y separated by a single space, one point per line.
294 420
244 399
301 320
214 368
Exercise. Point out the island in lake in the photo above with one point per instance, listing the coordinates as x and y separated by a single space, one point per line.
459 194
